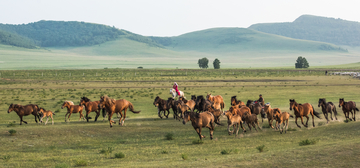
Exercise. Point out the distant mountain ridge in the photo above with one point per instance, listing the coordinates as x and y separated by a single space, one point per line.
316 28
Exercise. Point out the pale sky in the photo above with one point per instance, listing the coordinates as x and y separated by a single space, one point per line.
173 17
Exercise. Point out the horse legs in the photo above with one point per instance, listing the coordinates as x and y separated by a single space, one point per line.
242 127
36 115
326 117
123 118
159 113
66 115
168 112
296 121
97 115
257 122
249 126
111 121
230 132
198 130
287 125
270 123
87 114
47 119
312 120
302 121
253 124
353 116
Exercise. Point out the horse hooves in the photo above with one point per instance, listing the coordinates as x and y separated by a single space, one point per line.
299 126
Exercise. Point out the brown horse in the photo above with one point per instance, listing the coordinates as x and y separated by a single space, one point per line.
235 102
162 106
172 103
182 108
303 110
90 106
241 111
270 113
71 108
116 106
200 120
327 107
235 121
282 118
190 103
24 111
47 114
251 119
348 107
201 104
256 108
216 100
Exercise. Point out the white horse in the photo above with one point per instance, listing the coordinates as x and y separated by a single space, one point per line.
175 94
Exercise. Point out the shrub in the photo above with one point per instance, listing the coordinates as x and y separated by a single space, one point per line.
260 148
307 142
107 151
198 141
6 158
119 155
225 152
169 136
164 152
184 156
81 163
12 132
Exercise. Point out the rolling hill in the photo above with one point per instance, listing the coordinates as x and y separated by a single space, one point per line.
308 27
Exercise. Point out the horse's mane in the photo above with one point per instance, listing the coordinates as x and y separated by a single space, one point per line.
85 99
108 99
70 102
42 108
234 97
193 97
248 102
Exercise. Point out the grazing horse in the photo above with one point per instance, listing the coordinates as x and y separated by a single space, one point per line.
90 106
348 107
327 107
235 121
175 94
270 113
234 102
47 114
200 120
71 108
162 105
116 106
24 111
201 104
216 100
282 118
303 110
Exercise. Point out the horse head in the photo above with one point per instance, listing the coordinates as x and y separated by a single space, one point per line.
11 108
233 101
156 101
186 117
292 103
209 97
172 90
341 102
193 97
321 102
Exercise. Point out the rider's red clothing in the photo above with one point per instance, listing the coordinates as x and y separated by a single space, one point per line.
176 89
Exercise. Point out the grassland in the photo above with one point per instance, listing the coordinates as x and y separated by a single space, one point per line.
142 139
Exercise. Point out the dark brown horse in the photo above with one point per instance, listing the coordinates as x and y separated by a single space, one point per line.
216 100
71 108
327 107
24 111
303 110
347 107
234 102
201 104
162 106
90 106
116 106
199 121
172 103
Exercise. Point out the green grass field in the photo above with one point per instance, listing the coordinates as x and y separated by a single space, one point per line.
143 138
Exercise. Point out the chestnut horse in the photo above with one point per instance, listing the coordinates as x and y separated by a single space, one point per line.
241 111
303 110
24 111
71 108
200 120
190 103
348 107
47 114
235 121
234 102
90 106
327 107
116 106
282 118
216 100
270 113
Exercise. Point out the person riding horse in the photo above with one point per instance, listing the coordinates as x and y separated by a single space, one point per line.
261 100
175 86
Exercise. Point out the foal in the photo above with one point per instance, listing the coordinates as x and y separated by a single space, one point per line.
71 108
270 113
235 121
47 114
282 118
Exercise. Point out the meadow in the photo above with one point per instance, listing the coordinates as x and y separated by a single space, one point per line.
148 141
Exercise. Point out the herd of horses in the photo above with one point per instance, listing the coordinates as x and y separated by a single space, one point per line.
205 112
201 111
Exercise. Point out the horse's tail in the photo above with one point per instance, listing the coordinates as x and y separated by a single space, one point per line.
131 107
356 109
291 116
316 113
335 112
53 113
103 112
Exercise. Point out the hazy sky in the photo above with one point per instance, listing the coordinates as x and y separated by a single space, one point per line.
173 17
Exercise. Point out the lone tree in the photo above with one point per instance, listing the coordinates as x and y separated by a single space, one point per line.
216 64
203 63
301 62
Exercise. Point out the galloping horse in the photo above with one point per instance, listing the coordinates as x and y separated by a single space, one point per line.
47 114
201 104
234 102
116 106
216 100
303 111
90 106
282 118
71 108
256 108
235 121
171 103
190 103
175 94
24 111
270 113
162 105
348 107
200 120
327 107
